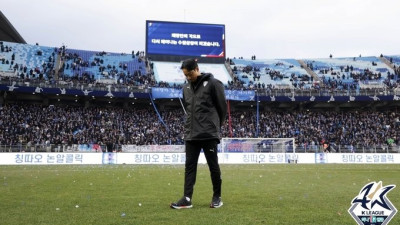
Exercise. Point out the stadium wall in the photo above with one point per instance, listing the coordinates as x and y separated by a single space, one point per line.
179 158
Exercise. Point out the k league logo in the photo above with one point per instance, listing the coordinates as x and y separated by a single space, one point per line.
371 206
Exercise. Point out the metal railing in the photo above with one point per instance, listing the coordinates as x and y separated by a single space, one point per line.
349 149
77 85
146 89
43 148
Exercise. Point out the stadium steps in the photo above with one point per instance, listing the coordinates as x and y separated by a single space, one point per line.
229 69
387 62
310 72
59 64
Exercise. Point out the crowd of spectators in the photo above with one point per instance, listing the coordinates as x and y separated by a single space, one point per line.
26 124
333 79
74 68
38 125
356 128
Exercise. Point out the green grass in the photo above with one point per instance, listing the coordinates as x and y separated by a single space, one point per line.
252 194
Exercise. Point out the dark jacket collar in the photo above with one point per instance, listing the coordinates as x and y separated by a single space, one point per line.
202 77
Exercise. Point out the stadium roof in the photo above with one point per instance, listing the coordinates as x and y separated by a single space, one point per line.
8 32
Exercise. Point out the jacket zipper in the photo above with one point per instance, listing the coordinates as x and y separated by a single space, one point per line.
191 116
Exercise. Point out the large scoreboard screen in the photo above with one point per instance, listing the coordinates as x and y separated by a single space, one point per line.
185 39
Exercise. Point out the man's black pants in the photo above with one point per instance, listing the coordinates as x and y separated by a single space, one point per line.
210 150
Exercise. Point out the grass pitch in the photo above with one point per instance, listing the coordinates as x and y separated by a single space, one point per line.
140 194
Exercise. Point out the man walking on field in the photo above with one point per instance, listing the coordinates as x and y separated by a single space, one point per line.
206 108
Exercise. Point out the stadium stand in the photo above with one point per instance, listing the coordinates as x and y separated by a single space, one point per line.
395 62
23 62
351 73
28 62
37 125
271 74
395 59
27 126
103 67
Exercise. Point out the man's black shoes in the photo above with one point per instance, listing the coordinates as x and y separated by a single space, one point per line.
186 203
216 202
183 203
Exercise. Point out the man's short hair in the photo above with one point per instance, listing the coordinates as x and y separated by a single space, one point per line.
189 64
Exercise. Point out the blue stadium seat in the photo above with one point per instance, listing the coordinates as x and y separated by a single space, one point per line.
395 59
31 56
273 72
350 71
112 62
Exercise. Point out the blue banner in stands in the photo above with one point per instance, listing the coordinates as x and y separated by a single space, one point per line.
177 93
329 98
76 92
238 95
166 93
235 95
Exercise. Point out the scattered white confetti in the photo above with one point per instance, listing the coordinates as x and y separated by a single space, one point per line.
77 206
57 209
140 204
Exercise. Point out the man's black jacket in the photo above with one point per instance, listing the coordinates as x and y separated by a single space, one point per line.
206 108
